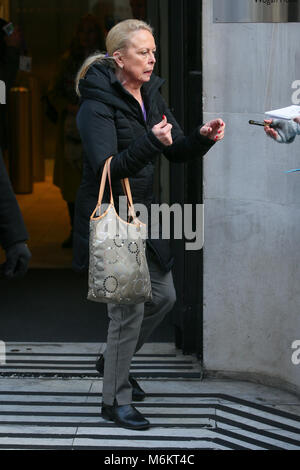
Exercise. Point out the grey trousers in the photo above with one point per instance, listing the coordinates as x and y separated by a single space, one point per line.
129 328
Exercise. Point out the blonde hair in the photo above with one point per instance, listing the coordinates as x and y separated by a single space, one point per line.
117 39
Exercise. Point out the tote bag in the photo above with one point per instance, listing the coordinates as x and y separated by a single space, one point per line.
118 270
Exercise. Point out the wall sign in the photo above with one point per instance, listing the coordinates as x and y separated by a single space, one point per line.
256 11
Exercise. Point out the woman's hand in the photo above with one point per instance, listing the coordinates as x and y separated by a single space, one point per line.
162 132
214 130
269 131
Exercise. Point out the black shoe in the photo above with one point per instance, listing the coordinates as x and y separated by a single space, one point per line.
100 364
126 416
138 393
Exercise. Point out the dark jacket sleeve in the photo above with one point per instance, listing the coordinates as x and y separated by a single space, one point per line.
184 148
97 129
9 67
12 227
8 70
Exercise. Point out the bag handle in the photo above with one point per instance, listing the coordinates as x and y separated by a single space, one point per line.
127 192
126 188
102 186
125 185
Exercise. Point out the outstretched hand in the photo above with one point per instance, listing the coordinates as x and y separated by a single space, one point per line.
214 129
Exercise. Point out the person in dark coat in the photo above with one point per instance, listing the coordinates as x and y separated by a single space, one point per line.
122 114
87 39
13 233
9 66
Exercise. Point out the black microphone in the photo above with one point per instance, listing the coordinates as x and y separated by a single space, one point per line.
258 123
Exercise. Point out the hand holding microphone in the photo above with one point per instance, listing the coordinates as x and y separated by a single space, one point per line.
282 130
270 125
269 129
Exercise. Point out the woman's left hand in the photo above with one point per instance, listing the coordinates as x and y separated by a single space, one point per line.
214 130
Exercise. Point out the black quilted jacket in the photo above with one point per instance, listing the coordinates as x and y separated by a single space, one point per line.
111 122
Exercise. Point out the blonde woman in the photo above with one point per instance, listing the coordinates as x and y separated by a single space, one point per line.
123 114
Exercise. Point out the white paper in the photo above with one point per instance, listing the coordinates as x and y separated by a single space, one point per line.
290 112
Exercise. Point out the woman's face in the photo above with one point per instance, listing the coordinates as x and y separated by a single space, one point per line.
138 59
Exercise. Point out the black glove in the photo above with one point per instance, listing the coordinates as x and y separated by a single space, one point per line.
17 259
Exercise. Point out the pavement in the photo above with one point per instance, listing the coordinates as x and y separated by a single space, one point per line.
50 398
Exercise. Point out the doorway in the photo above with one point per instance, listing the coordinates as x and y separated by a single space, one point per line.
48 30
50 304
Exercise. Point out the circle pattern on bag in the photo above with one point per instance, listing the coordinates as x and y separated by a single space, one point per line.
119 242
110 284
138 258
133 247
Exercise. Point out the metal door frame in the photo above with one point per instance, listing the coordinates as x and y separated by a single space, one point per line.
184 92
186 180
